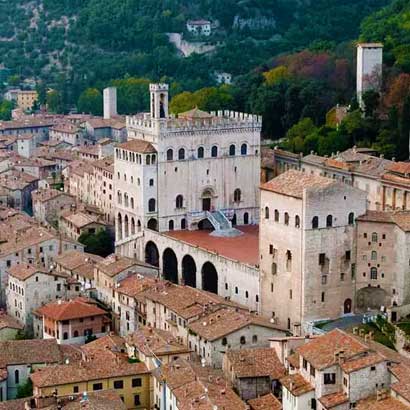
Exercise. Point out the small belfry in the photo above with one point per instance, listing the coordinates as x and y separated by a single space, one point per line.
159 101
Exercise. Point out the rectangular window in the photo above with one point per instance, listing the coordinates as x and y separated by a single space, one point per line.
322 258
118 384
324 279
312 371
75 389
330 378
58 287
137 401
271 249
136 382
97 386
290 294
305 364
347 255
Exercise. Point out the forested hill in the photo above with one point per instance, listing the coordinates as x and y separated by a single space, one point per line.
92 42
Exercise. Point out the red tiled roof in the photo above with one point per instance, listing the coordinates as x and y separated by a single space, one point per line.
293 183
267 402
73 309
261 362
296 384
372 403
320 352
332 400
140 146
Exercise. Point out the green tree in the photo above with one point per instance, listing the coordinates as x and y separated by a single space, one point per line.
6 107
55 102
25 390
133 94
371 100
100 243
90 102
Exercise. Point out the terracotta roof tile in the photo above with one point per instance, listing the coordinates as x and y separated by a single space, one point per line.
225 321
293 360
114 264
198 388
23 271
261 362
67 310
140 146
74 259
296 384
293 183
320 352
150 341
36 351
267 402
386 404
7 321
358 363
332 400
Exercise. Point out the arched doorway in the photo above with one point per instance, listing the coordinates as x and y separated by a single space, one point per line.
153 224
152 254
347 306
205 225
189 271
371 298
209 278
170 265
234 221
246 218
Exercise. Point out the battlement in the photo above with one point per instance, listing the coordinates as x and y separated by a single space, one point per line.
158 87
218 120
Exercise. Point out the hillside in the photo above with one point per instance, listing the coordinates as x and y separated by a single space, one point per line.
90 42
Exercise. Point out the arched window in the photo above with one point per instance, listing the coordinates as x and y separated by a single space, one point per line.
351 218
16 377
244 149
151 205
139 225
237 195
232 150
119 197
243 340
254 339
224 341
179 202
329 221
374 237
183 223
286 218
297 221
214 151
170 155
153 159
151 182
148 160
274 268
171 225
75 333
276 215
200 152
373 273
126 200
181 153
266 212
315 222
65 335
374 256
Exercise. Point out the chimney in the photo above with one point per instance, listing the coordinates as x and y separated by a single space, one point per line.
110 102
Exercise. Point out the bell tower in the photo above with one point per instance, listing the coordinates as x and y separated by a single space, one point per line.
159 101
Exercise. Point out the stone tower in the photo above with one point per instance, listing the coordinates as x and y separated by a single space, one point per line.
159 101
110 102
369 68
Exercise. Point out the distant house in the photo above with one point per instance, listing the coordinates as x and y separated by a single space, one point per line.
73 321
199 27
9 327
